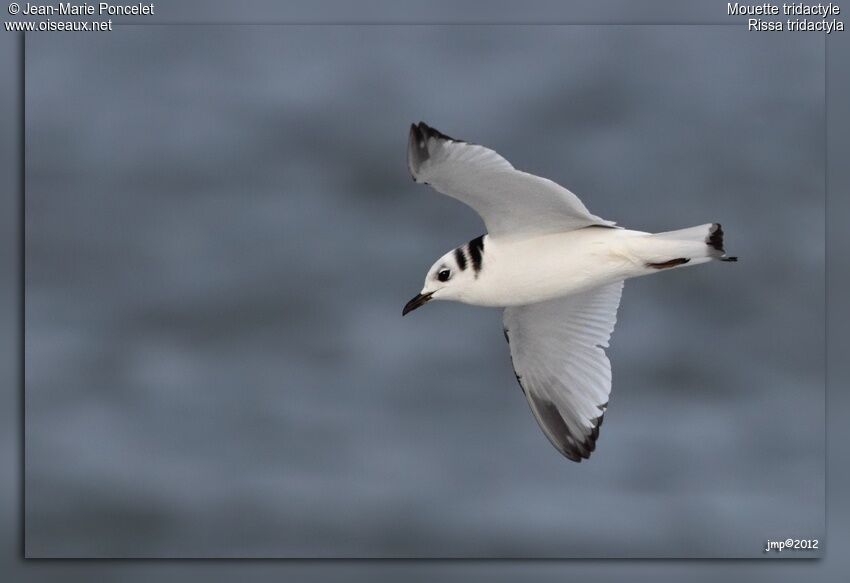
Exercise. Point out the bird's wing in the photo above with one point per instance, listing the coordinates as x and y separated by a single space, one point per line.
557 349
512 203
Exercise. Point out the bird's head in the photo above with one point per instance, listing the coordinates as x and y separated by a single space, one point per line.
448 279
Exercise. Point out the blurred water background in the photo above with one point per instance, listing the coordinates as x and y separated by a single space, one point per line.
221 232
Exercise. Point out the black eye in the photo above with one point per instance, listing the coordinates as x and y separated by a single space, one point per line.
444 275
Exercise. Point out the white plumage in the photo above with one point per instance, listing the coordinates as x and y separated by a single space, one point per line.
482 179
558 271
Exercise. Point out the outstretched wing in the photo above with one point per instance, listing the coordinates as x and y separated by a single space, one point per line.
512 203
557 349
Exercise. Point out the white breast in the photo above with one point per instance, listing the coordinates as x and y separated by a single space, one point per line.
537 269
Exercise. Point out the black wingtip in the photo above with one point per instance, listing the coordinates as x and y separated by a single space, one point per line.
417 145
429 132
417 149
574 447
416 133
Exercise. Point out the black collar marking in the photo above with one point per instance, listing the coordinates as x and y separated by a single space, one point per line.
476 249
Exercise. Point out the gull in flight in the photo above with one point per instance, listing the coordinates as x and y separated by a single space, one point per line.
555 268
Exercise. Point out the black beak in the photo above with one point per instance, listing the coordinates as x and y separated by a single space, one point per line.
419 301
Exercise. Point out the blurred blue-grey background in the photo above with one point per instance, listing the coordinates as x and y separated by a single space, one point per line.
221 233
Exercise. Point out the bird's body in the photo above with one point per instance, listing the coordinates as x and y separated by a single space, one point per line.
536 269
557 270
